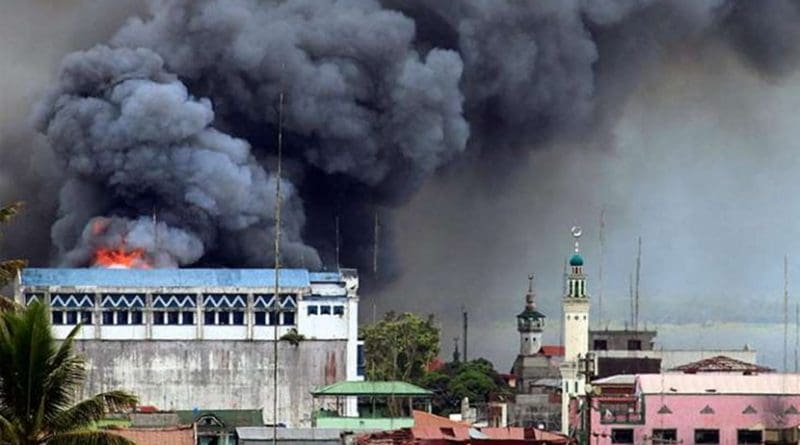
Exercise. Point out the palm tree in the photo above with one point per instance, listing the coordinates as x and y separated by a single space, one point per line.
9 268
38 381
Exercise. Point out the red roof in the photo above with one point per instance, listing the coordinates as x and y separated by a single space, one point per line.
182 435
553 350
436 364
423 419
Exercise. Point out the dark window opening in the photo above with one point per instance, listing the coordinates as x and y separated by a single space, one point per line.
313 310
108 317
223 318
325 310
158 318
173 318
72 317
288 318
634 345
273 318
706 436
338 310
58 317
238 318
122 317
361 361
601 345
665 436
86 317
136 317
749 436
622 435
209 318
261 318
188 318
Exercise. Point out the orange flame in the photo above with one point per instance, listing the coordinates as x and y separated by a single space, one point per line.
121 258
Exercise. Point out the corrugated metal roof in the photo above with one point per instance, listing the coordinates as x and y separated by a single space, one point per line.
165 436
265 433
355 388
164 277
718 383
721 363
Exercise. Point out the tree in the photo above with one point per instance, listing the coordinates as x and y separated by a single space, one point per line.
9 268
476 380
400 346
38 381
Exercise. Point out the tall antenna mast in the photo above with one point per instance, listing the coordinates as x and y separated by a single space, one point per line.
638 268
375 245
602 258
466 324
155 228
785 311
796 336
630 296
276 295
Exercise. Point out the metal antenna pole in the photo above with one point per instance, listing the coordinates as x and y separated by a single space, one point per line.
375 245
796 336
276 295
636 304
602 257
338 263
785 312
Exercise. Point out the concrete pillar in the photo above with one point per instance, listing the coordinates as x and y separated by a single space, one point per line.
199 315
248 316
147 314
97 313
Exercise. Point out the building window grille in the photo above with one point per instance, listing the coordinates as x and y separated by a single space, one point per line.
665 436
158 318
338 310
122 317
108 317
313 310
622 435
58 318
325 310
706 436
288 318
86 317
261 318
746 437
72 317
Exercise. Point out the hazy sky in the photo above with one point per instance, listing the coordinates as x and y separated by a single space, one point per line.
704 167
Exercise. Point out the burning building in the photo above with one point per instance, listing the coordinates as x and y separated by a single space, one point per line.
202 338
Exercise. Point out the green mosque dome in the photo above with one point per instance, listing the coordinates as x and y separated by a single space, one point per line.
576 260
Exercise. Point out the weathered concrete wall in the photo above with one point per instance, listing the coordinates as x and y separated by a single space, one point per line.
206 375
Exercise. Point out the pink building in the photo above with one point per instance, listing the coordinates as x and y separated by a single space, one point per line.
706 408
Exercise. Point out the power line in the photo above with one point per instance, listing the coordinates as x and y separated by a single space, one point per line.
276 295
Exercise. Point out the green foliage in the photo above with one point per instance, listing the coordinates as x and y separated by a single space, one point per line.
293 337
476 380
9 268
400 346
38 380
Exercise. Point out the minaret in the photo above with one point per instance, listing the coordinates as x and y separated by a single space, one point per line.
530 324
576 331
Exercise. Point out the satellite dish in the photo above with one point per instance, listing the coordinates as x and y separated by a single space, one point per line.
576 231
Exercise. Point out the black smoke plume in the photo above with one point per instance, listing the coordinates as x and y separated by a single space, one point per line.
177 115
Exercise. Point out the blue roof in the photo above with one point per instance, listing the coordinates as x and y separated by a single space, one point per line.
164 277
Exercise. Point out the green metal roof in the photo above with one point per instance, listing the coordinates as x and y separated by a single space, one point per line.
531 314
391 388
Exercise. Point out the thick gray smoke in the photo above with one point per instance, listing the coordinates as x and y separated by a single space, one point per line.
179 113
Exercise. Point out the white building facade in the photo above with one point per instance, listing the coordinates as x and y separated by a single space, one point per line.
207 333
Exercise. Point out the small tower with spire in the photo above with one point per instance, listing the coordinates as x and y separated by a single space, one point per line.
530 324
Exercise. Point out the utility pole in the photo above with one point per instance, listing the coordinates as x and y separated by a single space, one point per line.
276 295
602 258
587 369
638 268
376 237
785 312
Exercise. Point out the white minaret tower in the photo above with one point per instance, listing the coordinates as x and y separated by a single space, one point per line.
530 324
576 331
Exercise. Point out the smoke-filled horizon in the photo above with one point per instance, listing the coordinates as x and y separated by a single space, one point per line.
465 125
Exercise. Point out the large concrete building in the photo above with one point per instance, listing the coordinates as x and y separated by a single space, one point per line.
184 339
